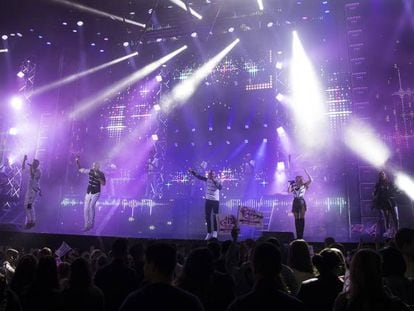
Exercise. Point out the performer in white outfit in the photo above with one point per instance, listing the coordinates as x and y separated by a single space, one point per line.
96 179
298 188
32 191
213 188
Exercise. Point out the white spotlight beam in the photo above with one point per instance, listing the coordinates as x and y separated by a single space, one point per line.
110 91
182 5
405 183
79 75
260 4
4 50
361 139
185 89
85 8
307 100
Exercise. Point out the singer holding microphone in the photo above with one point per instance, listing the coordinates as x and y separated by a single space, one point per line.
96 179
298 188
213 188
33 189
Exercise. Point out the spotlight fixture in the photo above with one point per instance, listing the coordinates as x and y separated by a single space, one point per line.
79 23
280 131
194 34
4 37
279 65
13 131
280 97
16 103
20 74
158 78
125 44
231 29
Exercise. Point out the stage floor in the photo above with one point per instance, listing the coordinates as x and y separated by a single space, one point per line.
180 218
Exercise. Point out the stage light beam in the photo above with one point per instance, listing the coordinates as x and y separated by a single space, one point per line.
260 4
182 5
87 9
405 183
79 75
307 101
361 139
109 92
184 90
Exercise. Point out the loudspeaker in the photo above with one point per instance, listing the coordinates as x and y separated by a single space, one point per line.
283 237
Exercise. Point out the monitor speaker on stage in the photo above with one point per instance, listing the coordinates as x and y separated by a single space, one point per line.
283 237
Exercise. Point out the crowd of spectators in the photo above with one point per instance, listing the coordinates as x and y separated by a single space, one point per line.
230 275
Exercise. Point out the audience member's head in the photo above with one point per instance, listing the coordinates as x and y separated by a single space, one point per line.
63 270
80 275
95 254
102 261
339 247
366 274
12 255
273 240
24 273
86 255
404 239
214 248
328 241
328 262
45 251
160 261
225 247
267 261
120 249
199 266
137 252
299 256
393 263
46 274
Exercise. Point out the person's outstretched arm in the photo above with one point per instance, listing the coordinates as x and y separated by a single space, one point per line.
197 175
80 169
310 179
